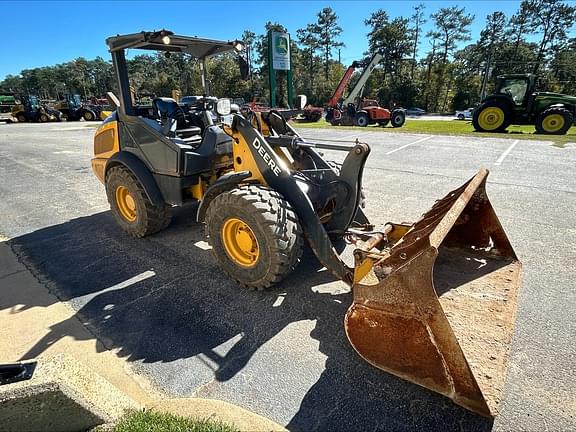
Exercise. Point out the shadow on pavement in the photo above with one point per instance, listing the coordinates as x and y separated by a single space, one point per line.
163 299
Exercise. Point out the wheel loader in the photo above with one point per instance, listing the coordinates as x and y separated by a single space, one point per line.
433 302
73 109
30 110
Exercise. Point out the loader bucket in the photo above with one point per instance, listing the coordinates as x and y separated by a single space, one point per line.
435 304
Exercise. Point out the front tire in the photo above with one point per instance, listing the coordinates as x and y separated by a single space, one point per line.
554 121
460 116
21 118
130 206
491 116
89 116
43 118
255 235
398 119
362 119
384 123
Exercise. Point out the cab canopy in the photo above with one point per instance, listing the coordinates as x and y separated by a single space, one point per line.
165 40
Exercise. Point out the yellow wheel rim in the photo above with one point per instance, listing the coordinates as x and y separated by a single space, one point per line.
553 123
125 203
240 242
491 118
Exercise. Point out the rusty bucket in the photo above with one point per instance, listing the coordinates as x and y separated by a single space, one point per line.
435 301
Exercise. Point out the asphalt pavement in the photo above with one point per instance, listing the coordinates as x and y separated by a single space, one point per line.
165 306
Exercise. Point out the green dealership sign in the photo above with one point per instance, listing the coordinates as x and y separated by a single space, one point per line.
279 60
280 51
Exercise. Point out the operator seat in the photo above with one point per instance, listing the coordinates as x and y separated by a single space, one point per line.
173 120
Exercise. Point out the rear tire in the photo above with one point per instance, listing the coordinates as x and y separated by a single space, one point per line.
398 118
362 119
491 116
460 116
269 243
554 121
43 118
21 118
89 116
130 205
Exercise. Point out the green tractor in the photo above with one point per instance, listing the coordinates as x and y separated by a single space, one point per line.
515 101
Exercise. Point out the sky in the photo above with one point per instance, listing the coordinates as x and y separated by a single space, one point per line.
43 33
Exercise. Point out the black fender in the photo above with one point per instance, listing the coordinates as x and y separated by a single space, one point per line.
502 98
226 182
141 172
559 105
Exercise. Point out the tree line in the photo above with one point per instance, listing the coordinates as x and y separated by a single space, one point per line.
536 39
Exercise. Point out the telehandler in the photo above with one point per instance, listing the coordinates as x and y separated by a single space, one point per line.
433 302
354 109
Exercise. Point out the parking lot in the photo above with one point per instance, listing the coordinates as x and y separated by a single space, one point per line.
163 304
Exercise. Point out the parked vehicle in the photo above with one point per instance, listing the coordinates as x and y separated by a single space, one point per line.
355 109
465 114
517 102
73 109
414 111
30 110
7 102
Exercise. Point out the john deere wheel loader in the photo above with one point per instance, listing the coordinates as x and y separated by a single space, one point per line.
30 110
73 109
433 302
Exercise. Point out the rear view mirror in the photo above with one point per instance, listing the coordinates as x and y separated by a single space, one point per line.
244 68
223 107
301 101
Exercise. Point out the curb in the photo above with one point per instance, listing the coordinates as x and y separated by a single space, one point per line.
27 303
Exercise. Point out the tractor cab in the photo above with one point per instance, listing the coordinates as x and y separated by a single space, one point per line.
73 101
518 88
30 103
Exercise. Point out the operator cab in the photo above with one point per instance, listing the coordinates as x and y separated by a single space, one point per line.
517 88
177 141
73 101
30 102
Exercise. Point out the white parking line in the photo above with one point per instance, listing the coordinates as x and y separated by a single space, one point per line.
506 153
408 145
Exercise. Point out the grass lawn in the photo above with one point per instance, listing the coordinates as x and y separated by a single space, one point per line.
151 421
453 127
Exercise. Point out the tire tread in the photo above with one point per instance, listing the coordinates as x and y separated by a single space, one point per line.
283 231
